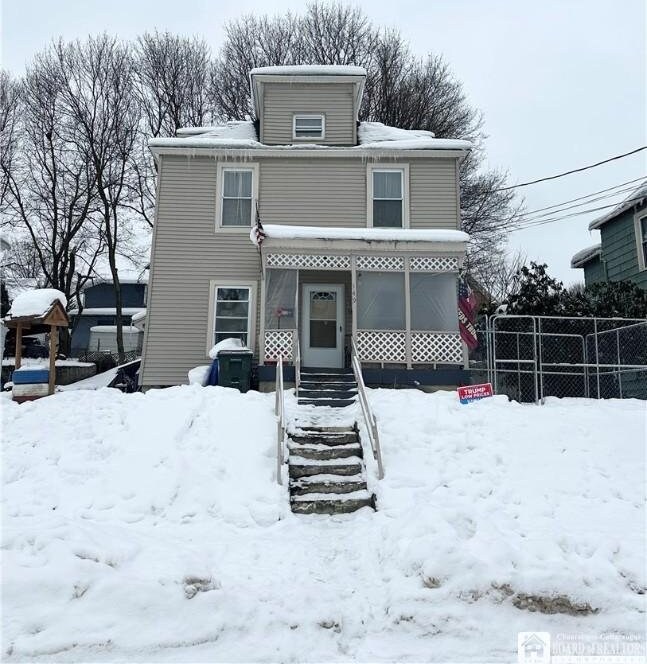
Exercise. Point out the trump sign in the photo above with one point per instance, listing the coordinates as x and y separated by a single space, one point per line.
471 393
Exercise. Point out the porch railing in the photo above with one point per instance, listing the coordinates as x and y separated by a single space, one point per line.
297 363
367 413
279 411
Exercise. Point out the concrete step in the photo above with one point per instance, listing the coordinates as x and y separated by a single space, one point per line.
322 438
326 394
327 378
300 467
326 370
326 504
333 403
326 452
327 484
328 430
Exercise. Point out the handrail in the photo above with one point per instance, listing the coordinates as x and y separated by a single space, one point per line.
369 417
279 411
297 362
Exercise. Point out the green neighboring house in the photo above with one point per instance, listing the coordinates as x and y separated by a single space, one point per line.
622 251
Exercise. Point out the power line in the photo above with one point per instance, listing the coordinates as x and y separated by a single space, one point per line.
529 216
541 222
575 170
594 193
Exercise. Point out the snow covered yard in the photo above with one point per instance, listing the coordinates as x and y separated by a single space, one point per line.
150 528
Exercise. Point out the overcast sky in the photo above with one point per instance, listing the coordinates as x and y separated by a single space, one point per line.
561 83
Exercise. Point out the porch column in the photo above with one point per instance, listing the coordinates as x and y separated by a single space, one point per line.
353 298
261 333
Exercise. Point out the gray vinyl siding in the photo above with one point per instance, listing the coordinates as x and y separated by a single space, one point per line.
282 100
332 192
620 250
188 253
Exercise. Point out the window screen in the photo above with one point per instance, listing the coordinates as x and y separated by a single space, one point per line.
237 198
308 126
280 297
643 238
232 313
387 199
380 301
434 302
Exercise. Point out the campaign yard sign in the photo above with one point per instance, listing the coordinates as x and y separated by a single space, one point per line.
471 393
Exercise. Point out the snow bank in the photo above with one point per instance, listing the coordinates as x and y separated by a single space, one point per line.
154 530
35 302
368 234
199 375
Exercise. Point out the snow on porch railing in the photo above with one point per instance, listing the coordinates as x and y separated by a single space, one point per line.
426 347
279 411
369 417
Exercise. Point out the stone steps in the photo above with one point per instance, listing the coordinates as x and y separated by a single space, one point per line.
326 471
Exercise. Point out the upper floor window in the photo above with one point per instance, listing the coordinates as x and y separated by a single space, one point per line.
237 186
308 126
388 198
641 236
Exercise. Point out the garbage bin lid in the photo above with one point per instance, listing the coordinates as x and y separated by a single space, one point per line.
234 351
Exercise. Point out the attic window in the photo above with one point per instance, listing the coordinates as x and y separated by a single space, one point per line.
308 126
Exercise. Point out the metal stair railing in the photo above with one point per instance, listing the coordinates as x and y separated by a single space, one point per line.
369 417
279 411
297 362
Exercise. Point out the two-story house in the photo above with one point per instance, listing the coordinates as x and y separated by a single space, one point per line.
361 237
621 253
99 310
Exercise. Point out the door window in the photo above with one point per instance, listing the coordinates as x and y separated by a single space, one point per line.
323 319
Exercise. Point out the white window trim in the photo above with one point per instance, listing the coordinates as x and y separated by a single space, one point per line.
235 166
251 315
404 169
642 266
320 116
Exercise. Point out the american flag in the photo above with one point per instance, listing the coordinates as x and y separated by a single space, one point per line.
467 313
258 233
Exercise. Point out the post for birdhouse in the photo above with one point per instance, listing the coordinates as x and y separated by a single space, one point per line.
53 350
18 353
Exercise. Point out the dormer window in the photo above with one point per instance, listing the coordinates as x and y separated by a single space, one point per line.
305 127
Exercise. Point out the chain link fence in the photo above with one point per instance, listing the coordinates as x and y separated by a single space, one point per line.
532 357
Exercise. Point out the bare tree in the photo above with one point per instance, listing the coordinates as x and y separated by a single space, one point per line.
49 193
97 79
9 110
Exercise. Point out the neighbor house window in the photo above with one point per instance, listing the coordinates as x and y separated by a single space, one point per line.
237 195
309 126
641 232
232 313
387 189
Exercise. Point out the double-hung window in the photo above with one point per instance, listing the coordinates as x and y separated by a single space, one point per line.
232 313
308 127
641 232
388 198
237 195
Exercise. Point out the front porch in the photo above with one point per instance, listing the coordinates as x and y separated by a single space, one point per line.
395 298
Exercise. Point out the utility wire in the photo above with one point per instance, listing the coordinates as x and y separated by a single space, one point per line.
594 193
532 216
575 170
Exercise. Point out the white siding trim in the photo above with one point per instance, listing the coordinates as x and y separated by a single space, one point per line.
235 166
251 314
404 168
639 243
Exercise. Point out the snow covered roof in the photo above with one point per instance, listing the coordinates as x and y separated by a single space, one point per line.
585 255
308 70
275 231
35 303
371 136
636 197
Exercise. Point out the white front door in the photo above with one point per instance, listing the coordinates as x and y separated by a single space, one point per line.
323 325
